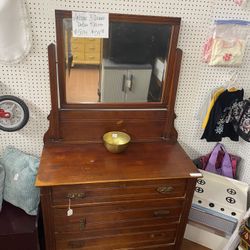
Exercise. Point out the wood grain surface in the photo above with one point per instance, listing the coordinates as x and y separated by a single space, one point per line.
92 163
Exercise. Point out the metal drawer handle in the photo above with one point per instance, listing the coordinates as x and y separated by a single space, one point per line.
160 213
76 244
123 83
157 235
130 82
165 189
75 196
82 224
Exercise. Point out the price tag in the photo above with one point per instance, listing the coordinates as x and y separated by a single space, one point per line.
70 211
114 135
16 176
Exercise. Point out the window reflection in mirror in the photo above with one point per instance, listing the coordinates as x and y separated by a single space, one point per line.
129 66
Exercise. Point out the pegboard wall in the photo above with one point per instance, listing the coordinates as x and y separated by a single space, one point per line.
30 79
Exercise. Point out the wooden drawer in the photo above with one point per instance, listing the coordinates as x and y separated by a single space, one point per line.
134 240
117 192
153 247
77 48
92 57
125 230
77 40
78 56
95 41
136 214
92 49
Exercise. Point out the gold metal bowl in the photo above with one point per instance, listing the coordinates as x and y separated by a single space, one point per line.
116 141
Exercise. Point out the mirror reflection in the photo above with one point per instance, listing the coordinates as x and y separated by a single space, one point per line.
129 66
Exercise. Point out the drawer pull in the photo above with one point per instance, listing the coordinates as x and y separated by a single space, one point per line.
75 196
157 235
160 213
76 244
82 224
165 189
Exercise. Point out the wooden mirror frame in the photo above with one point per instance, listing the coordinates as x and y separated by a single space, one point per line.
84 123
173 21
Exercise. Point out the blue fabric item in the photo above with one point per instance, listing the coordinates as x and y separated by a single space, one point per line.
20 173
2 175
236 22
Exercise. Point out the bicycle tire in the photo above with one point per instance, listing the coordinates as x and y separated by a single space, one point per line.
20 104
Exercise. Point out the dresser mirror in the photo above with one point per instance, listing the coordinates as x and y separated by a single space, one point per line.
132 68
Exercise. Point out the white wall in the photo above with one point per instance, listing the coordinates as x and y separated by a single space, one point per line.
29 79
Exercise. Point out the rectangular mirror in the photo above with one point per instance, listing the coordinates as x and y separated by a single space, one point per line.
131 66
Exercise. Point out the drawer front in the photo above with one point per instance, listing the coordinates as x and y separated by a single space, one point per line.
117 192
138 240
140 214
77 48
94 41
77 40
78 56
92 48
153 247
95 57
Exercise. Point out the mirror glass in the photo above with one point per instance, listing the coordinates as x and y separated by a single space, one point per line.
128 67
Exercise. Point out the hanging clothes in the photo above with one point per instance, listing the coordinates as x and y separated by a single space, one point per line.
215 96
218 125
240 117
202 112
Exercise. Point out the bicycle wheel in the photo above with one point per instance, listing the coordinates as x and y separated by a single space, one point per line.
18 113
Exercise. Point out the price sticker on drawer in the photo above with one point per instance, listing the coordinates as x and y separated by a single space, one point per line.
70 211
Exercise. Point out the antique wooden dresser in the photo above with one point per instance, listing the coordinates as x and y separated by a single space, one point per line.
93 199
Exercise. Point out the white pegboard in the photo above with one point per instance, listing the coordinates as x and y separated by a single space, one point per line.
30 81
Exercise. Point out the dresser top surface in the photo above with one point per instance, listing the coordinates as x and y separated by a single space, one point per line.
67 164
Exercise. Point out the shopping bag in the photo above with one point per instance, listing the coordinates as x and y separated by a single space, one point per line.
219 162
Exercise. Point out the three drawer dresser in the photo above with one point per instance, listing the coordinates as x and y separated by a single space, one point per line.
93 199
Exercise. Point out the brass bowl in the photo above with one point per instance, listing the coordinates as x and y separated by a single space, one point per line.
116 141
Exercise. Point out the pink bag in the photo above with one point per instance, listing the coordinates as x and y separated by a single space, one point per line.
220 162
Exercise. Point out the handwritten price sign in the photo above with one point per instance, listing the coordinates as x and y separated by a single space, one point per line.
90 24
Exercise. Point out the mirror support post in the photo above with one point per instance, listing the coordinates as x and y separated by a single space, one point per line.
170 132
53 132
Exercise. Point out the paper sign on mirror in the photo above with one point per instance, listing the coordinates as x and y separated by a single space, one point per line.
90 24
